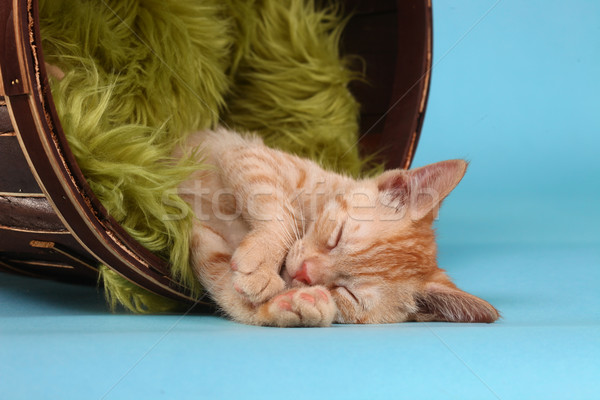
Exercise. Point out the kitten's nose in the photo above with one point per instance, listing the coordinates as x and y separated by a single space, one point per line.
302 274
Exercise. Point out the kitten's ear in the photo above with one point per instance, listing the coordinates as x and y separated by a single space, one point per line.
394 183
439 302
429 185
423 189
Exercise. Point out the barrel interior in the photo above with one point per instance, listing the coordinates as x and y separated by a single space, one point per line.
51 224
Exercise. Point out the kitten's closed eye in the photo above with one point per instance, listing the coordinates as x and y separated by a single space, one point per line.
347 293
336 236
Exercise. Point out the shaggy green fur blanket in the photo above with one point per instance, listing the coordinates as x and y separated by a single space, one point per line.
142 74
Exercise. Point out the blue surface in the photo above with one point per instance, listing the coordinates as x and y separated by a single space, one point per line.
515 90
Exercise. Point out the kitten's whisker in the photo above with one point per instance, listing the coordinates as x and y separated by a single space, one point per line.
287 236
296 227
302 221
294 221
280 246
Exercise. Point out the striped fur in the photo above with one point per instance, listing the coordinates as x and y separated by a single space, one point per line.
279 241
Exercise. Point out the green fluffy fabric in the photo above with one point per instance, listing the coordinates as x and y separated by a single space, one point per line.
289 83
143 74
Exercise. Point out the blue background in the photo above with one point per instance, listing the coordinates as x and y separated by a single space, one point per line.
515 90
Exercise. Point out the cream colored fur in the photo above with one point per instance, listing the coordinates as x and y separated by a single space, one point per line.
279 241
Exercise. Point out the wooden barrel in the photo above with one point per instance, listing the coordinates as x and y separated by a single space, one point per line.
52 225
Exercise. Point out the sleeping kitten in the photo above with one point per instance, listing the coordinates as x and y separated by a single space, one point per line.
279 241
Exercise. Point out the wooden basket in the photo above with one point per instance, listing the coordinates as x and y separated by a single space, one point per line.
52 225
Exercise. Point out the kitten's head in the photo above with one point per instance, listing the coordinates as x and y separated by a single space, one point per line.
373 246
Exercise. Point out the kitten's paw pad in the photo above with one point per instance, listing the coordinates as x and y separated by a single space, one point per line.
309 306
307 297
284 301
258 286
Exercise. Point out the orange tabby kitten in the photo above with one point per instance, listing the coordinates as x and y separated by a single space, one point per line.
279 241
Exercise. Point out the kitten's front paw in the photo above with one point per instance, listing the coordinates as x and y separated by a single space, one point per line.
307 306
256 272
258 286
